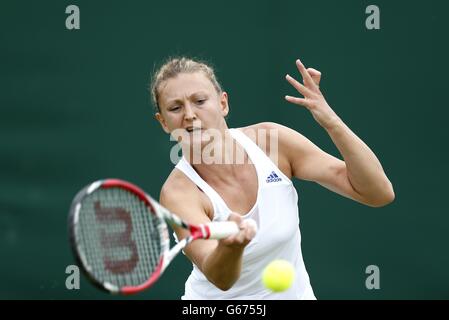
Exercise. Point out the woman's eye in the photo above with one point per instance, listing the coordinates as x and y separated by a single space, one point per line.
201 101
175 108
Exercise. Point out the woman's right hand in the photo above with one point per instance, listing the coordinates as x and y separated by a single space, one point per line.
247 232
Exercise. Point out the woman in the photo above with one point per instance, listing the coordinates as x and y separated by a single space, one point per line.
191 106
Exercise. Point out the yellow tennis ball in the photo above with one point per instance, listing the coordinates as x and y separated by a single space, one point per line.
278 275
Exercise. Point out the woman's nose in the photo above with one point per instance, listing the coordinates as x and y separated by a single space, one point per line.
189 113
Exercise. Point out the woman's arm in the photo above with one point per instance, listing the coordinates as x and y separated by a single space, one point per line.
220 261
360 176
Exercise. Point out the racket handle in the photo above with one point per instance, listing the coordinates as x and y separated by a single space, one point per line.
224 229
221 230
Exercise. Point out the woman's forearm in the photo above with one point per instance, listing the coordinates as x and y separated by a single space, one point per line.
223 265
364 170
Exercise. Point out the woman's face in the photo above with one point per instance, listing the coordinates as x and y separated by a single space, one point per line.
190 102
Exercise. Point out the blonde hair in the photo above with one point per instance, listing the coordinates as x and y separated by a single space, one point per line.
174 66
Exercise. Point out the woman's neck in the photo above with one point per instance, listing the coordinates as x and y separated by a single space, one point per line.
220 159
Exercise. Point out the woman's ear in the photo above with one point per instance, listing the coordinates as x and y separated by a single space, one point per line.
161 120
224 105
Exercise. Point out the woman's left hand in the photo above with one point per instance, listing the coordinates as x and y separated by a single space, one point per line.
313 98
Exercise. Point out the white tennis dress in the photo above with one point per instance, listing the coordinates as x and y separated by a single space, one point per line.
278 236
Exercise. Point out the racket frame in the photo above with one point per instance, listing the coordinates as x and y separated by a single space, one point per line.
214 230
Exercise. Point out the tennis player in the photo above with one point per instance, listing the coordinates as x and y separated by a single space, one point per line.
192 107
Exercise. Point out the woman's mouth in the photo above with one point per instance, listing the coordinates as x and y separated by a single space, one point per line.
192 129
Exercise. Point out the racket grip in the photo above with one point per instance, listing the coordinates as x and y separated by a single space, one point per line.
224 229
221 230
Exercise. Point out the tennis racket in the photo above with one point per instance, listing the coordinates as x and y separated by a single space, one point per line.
120 239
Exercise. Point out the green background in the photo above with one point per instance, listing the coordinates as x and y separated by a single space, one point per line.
75 108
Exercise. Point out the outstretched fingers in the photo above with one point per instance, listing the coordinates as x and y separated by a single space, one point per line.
315 74
300 101
309 88
306 77
298 85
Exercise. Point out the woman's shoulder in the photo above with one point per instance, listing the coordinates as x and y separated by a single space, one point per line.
264 133
267 130
261 126
177 182
179 189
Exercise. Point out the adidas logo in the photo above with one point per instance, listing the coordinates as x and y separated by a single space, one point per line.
273 177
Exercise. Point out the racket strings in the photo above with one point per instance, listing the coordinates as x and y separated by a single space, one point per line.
120 239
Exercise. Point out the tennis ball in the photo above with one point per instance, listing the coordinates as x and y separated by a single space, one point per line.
278 275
